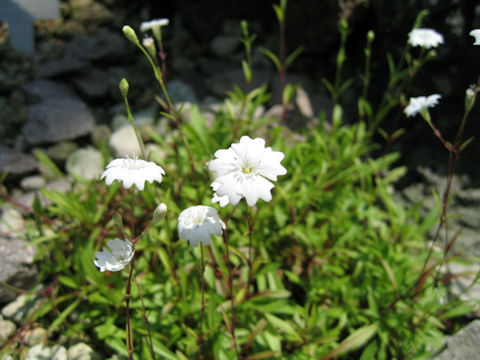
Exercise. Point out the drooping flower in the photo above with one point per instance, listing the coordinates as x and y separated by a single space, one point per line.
198 223
243 170
476 34
152 24
417 104
425 38
132 171
114 258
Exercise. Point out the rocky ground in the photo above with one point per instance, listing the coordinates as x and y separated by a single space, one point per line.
64 100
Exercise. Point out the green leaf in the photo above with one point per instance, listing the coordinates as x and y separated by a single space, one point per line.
355 340
247 71
63 315
283 326
49 164
291 58
279 12
272 57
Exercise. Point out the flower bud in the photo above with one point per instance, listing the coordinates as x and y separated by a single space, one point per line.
149 44
159 213
123 85
370 35
130 34
470 95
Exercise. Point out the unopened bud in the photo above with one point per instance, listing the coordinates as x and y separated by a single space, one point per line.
123 85
149 44
470 95
159 213
130 34
370 35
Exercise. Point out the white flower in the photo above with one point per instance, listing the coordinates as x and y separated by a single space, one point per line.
425 38
476 34
198 223
115 258
417 104
148 42
132 171
242 170
156 23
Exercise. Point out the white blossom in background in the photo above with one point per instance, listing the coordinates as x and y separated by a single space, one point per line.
425 38
417 104
198 223
244 171
114 258
152 24
476 34
132 171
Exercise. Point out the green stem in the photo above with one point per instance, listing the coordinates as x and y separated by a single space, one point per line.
202 313
145 320
127 301
132 122
230 287
250 251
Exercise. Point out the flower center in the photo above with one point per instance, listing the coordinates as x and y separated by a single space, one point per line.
247 169
133 164
197 220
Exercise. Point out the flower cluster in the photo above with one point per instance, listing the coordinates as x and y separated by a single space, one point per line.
244 171
418 104
425 38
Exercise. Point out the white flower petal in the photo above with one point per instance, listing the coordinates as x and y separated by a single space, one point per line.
425 38
476 34
132 171
417 104
242 170
117 257
150 25
198 223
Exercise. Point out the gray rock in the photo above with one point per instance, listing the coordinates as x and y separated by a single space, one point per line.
100 135
57 119
11 221
93 83
59 152
464 345
103 46
19 309
43 352
124 142
82 351
16 267
60 185
26 199
7 329
34 182
65 65
462 283
93 15
39 90
87 163
35 336
180 91
224 45
16 163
